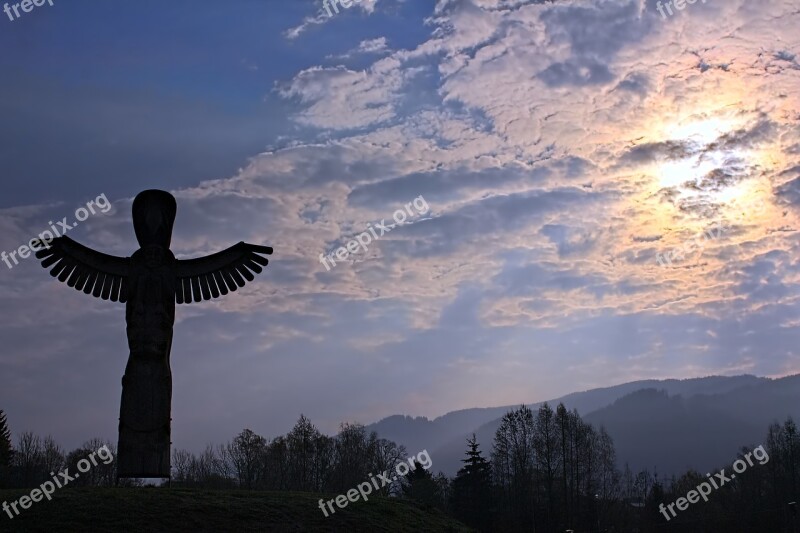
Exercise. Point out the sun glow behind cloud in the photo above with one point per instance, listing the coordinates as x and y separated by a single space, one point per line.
712 174
701 131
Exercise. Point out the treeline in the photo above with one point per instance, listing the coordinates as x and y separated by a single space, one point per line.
551 472
546 471
302 460
31 461
764 497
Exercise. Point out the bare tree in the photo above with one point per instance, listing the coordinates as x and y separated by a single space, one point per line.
181 467
247 452
28 462
53 457
513 455
301 443
386 455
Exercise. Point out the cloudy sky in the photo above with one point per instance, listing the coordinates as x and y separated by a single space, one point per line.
560 146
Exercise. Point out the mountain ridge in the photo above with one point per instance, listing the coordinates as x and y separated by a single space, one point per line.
445 436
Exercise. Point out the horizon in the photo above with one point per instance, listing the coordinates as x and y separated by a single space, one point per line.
513 405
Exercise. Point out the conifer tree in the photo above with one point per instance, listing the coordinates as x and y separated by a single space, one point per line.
472 489
6 451
420 485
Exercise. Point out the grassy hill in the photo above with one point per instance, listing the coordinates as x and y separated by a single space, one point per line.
170 510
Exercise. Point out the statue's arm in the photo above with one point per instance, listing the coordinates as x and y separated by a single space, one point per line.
214 275
101 275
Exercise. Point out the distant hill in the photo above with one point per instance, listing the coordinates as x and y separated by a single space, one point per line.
704 431
167 510
445 436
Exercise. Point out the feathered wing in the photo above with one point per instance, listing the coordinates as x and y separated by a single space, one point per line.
101 275
215 275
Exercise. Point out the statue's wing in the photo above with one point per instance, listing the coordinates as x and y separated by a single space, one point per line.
101 275
214 275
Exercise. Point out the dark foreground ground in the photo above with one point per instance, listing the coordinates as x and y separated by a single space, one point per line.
170 510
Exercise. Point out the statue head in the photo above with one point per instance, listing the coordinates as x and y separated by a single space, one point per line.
153 217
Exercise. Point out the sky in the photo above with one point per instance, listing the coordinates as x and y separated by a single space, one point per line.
610 194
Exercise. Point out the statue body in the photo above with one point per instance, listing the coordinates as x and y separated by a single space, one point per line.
150 283
144 417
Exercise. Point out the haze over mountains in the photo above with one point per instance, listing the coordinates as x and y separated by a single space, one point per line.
666 426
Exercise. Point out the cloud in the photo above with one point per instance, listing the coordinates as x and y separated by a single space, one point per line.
560 146
327 9
339 98
370 46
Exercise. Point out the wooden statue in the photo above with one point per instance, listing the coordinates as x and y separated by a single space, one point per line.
150 282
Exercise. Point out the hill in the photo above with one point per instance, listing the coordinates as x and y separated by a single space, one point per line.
445 436
705 431
172 510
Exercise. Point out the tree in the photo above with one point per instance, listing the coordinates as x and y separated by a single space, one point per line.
513 463
386 455
472 488
98 475
247 452
6 452
302 442
323 461
444 492
277 464
420 485
607 478
181 467
354 451
28 461
214 469
545 444
53 458
783 444
563 432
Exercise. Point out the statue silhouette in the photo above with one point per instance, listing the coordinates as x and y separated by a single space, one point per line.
150 282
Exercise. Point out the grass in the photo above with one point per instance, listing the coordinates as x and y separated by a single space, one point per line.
170 510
